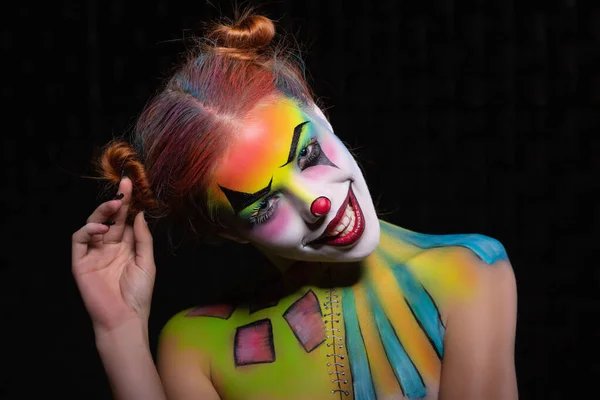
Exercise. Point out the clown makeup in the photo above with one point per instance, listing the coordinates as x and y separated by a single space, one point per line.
294 189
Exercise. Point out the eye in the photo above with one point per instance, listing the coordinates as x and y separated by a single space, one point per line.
309 155
263 210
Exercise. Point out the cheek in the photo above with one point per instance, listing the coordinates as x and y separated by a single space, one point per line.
335 150
275 227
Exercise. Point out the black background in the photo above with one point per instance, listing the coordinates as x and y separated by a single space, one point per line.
467 116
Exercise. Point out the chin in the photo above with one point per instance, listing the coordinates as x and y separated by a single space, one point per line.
358 251
367 244
340 241
362 205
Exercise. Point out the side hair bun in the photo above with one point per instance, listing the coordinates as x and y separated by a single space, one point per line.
119 158
245 38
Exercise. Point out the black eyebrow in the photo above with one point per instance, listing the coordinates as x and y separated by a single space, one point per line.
294 145
241 200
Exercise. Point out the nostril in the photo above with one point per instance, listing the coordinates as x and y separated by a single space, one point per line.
320 206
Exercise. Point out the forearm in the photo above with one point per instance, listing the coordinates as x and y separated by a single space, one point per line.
125 353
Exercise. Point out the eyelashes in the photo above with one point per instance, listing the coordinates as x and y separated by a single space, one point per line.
310 156
263 210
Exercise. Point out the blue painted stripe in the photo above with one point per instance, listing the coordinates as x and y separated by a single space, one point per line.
488 249
422 306
357 355
401 363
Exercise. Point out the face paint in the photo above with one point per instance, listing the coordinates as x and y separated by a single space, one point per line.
282 159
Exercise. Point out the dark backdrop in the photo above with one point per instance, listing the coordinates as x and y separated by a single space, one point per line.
467 116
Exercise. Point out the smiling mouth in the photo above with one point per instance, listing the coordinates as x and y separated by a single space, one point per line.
346 227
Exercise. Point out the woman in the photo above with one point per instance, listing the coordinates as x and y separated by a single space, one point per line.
361 309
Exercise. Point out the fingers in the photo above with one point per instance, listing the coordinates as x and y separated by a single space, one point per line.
83 237
115 234
104 211
144 250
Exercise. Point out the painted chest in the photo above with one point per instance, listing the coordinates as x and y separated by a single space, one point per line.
379 338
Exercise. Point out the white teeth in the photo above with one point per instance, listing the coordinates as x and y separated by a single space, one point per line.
350 226
348 213
347 223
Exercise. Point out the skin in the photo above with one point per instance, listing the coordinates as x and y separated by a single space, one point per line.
475 298
474 294
114 270
250 165
478 344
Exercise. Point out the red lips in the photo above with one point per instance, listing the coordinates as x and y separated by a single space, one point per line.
353 236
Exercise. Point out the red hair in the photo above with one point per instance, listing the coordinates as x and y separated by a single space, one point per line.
182 132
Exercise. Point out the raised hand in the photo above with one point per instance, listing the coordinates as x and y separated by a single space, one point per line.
113 264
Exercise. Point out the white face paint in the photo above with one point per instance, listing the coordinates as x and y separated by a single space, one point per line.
284 221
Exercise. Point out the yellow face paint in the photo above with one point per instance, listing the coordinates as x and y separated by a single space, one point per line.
261 157
283 157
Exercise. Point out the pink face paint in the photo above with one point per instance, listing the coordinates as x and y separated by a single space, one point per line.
330 149
316 173
258 154
275 226
287 154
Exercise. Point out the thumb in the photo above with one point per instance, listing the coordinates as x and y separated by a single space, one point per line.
144 249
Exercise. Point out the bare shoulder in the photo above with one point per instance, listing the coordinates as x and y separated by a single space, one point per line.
491 273
460 270
494 290
185 349
485 267
198 328
196 319
452 265
480 332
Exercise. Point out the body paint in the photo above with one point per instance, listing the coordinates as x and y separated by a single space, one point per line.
389 325
355 343
253 343
222 311
306 321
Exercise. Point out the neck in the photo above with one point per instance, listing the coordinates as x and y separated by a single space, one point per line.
296 274
392 240
281 263
392 232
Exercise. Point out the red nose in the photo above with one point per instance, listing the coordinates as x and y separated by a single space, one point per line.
320 206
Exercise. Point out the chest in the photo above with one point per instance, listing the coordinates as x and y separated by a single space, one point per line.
381 338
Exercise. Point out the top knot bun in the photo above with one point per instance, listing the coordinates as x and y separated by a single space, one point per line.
245 38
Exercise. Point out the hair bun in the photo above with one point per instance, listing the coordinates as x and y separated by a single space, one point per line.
245 37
